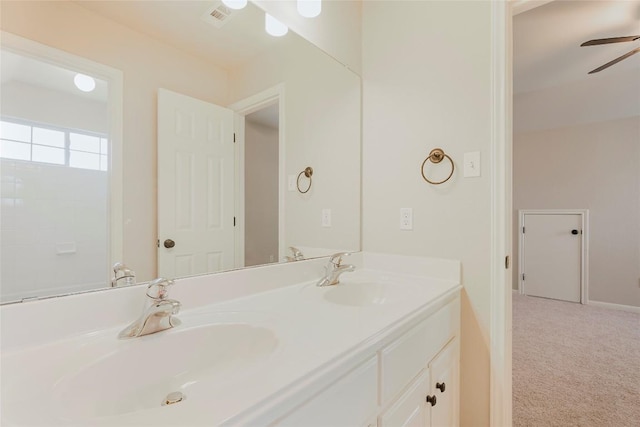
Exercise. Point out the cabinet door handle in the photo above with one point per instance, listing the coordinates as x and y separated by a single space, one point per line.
441 387
432 400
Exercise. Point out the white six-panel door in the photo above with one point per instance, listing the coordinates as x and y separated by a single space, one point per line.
552 255
195 186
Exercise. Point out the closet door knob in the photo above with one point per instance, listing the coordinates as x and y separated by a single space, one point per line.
432 400
169 243
441 387
574 232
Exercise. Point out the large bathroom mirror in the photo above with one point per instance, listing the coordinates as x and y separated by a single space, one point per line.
293 107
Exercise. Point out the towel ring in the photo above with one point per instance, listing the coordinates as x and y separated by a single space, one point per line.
436 156
308 172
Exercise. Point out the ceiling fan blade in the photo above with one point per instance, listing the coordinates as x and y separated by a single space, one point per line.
615 61
610 40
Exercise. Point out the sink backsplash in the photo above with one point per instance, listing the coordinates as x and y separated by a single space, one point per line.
48 320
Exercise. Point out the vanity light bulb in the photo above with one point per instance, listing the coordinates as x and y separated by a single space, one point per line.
274 27
84 83
309 8
235 4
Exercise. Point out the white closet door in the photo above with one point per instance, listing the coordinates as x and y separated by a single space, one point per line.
195 186
552 256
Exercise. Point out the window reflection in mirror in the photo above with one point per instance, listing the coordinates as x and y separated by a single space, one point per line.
54 154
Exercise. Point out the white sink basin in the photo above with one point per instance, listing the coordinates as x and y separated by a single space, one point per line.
141 372
362 294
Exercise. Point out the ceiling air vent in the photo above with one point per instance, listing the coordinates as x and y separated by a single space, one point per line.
219 14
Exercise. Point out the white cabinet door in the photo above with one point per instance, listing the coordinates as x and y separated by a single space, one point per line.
410 409
444 370
195 186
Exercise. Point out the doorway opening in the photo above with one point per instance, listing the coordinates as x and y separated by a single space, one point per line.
261 154
260 177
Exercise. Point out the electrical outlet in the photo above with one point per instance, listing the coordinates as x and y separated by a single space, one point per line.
406 219
326 217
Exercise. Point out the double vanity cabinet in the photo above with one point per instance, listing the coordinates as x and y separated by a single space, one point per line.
257 347
410 380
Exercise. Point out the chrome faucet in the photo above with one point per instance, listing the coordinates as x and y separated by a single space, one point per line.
334 269
122 275
297 254
158 312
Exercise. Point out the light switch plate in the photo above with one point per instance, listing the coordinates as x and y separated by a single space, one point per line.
472 164
326 217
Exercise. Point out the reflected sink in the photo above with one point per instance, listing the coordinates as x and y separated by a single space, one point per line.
138 374
362 294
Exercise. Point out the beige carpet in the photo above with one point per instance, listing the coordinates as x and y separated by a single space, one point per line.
574 365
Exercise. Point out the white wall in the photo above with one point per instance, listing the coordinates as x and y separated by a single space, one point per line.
609 95
594 166
261 194
146 65
337 30
426 84
322 130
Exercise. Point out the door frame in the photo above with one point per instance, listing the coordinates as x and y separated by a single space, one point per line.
114 78
243 108
584 250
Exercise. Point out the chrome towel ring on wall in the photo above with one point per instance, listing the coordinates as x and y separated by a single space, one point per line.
436 156
308 172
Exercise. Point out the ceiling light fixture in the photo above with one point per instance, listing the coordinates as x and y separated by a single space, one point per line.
309 8
274 27
84 83
235 4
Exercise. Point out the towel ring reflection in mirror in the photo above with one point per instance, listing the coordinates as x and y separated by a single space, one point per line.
436 156
308 172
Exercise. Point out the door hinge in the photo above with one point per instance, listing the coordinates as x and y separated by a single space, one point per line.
522 230
234 221
158 243
523 277
507 262
234 137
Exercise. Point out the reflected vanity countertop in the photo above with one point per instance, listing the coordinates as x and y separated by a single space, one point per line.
295 336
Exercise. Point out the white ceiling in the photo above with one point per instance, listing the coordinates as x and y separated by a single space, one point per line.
546 44
186 25
268 116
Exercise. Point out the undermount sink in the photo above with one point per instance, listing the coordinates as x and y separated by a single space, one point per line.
139 374
362 294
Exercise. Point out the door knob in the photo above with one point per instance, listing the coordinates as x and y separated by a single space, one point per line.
574 232
432 400
169 243
441 387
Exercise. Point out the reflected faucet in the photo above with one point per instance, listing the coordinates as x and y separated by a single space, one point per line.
122 275
158 312
297 254
334 269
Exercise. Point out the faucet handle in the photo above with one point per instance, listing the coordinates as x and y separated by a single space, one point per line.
297 253
159 288
336 259
122 273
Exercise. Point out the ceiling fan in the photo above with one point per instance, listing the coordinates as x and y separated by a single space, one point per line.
613 40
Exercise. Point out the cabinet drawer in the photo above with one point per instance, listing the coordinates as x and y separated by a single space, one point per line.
351 401
404 358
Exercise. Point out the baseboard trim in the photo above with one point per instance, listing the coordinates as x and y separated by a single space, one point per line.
630 308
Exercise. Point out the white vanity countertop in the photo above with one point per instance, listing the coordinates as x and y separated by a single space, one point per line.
315 337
